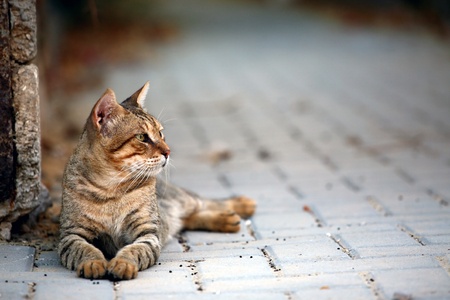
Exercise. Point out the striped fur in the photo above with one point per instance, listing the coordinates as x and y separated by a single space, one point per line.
116 215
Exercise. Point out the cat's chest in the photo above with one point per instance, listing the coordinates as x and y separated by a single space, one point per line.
115 216
116 213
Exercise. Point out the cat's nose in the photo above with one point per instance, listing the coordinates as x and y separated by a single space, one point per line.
166 152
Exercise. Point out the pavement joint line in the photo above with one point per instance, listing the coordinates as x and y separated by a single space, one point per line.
342 247
350 184
408 178
280 173
411 233
272 265
328 162
339 129
369 280
295 133
246 131
224 181
444 262
437 197
312 211
181 238
375 204
117 290
31 290
195 274
288 295
295 191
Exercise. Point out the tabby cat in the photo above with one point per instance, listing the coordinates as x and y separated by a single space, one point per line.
116 214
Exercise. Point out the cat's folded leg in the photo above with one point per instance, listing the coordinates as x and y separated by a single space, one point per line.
122 269
76 253
139 255
92 269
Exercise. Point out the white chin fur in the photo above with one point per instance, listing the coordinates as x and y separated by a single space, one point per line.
166 162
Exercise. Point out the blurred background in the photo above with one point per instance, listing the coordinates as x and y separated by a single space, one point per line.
82 42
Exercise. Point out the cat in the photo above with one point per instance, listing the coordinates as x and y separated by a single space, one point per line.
116 213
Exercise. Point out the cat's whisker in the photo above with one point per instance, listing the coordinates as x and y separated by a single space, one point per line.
137 177
166 177
167 169
116 183
160 113
170 164
119 175
145 172
131 170
168 120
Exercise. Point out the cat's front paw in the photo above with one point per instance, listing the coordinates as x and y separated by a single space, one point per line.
92 269
122 269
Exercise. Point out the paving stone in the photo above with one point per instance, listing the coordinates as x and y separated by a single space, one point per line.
284 234
267 295
283 284
437 250
239 178
159 281
436 239
202 237
346 208
172 246
327 292
285 202
328 189
205 254
264 194
284 220
15 290
66 285
377 239
310 169
308 248
16 258
407 203
74 289
48 261
431 283
241 266
432 226
338 266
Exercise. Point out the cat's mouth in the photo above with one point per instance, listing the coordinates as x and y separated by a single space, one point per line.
156 164
166 161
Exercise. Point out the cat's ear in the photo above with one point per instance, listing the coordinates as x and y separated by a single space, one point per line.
138 98
103 109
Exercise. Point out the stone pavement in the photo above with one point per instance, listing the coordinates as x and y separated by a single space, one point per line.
342 135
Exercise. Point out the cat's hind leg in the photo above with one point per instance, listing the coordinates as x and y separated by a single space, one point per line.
222 216
187 210
243 206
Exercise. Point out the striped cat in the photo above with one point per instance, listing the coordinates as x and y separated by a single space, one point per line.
116 214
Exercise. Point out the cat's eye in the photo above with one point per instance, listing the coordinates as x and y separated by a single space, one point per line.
140 137
161 135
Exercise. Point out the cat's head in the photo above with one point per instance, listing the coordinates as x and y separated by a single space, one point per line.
128 138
